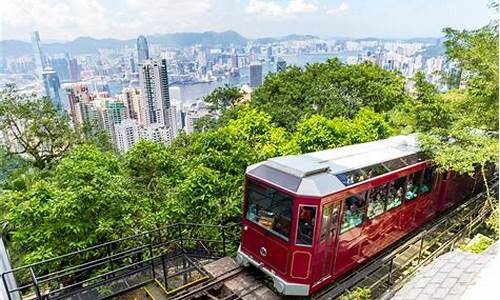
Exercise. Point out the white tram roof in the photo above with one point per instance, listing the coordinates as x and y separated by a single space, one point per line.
322 173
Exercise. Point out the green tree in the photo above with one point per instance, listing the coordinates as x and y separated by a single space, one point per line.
223 98
39 131
85 201
476 52
331 89
319 133
153 171
427 109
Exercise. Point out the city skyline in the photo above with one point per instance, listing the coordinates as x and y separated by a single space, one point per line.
251 18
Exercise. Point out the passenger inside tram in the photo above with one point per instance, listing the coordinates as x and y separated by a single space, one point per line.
412 187
353 216
376 205
306 225
395 193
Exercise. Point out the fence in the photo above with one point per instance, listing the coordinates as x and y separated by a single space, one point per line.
112 268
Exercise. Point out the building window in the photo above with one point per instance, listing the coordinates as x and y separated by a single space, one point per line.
354 211
377 201
269 208
395 193
305 227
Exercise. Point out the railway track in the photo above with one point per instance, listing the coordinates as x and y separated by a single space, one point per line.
386 273
209 287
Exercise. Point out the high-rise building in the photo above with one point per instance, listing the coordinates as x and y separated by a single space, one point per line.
269 52
154 86
37 53
81 106
127 134
132 99
133 68
111 113
142 49
60 65
280 65
52 86
255 75
74 70
158 119
234 61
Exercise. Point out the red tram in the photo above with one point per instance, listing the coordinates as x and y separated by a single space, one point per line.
310 218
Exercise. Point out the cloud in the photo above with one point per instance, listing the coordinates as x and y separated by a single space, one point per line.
271 9
343 7
60 17
68 19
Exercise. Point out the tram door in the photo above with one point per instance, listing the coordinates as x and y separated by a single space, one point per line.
327 245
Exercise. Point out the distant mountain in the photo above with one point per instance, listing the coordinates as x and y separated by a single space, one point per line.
83 45
290 37
13 47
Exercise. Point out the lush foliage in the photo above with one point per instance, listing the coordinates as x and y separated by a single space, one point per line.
318 132
39 130
83 202
331 89
358 294
478 244
476 53
223 98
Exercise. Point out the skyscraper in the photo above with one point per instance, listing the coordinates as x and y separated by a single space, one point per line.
255 75
74 70
52 86
60 65
37 53
133 68
154 85
142 49
280 65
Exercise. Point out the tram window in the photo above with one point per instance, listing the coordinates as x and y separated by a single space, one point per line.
394 164
329 220
352 177
426 185
377 201
412 185
375 170
270 209
354 210
395 193
305 228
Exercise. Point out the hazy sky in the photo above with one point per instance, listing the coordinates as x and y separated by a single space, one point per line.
68 19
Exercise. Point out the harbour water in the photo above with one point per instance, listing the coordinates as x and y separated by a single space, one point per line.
191 92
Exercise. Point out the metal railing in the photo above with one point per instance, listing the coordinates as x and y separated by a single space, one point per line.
106 270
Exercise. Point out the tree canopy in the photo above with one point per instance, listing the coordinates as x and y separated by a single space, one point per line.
331 89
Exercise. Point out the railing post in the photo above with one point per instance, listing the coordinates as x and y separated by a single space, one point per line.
165 274
35 284
224 240
7 290
179 230
152 259
420 250
389 278
110 259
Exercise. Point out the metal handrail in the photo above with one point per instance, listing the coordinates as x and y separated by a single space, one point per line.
155 242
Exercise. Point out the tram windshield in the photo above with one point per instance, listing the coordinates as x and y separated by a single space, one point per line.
269 208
